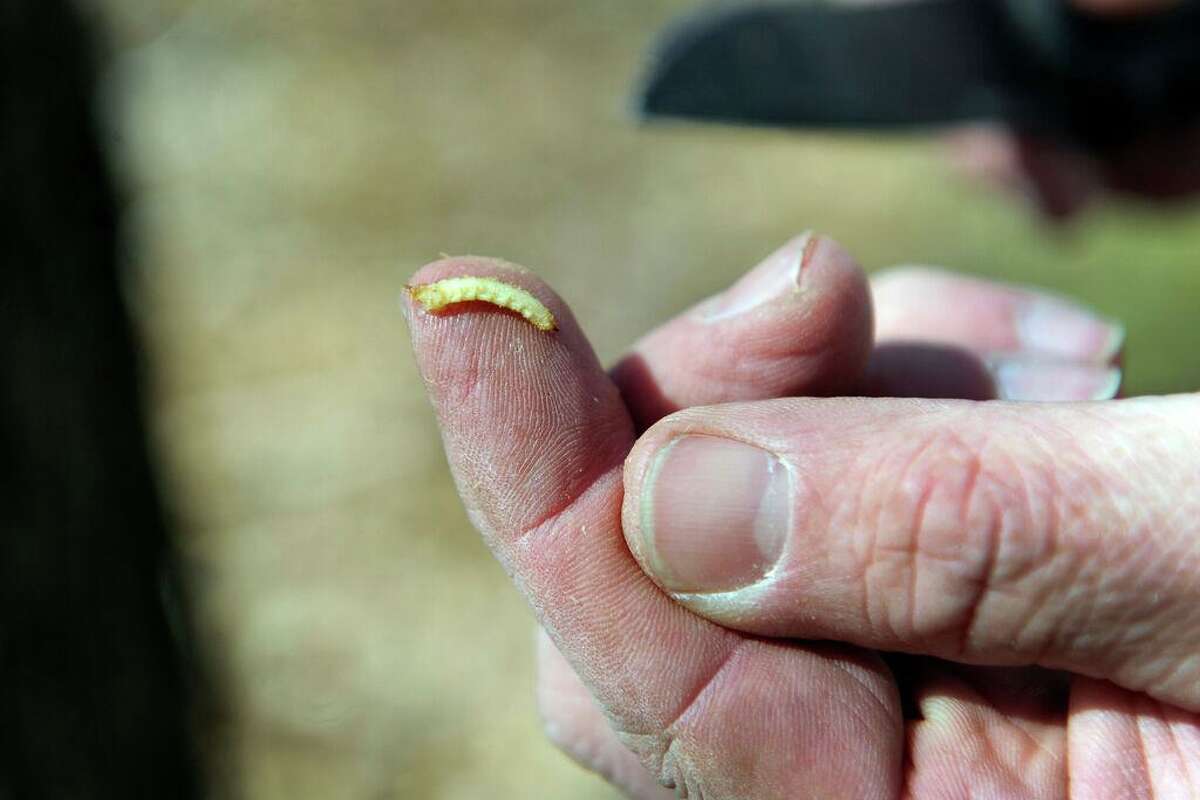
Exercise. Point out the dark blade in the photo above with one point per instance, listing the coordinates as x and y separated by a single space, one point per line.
901 64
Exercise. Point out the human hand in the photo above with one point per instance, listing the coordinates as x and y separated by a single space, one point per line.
537 436
1061 180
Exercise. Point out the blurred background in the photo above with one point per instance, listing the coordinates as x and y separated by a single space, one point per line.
287 164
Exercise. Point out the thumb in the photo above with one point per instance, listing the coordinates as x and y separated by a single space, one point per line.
1064 535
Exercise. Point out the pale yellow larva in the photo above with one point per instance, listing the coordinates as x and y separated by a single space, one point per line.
436 296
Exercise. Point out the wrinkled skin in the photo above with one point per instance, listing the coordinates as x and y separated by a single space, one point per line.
1060 664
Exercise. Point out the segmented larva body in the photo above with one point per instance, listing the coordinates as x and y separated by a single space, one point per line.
438 295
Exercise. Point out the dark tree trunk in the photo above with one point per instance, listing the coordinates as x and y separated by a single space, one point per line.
93 701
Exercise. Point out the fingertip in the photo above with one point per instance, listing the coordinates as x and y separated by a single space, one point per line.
489 277
464 334
798 323
811 276
776 277
1034 380
528 416
931 306
839 317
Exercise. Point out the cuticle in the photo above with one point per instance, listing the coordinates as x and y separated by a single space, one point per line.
645 538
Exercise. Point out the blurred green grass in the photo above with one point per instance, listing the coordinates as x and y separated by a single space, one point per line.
290 164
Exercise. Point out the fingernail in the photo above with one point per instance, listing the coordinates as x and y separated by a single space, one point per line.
780 272
714 514
1031 380
1057 327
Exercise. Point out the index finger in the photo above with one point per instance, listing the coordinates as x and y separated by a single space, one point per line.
536 435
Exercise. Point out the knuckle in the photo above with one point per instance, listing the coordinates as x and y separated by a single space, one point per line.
960 542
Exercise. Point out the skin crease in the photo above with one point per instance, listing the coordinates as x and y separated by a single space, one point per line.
645 694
